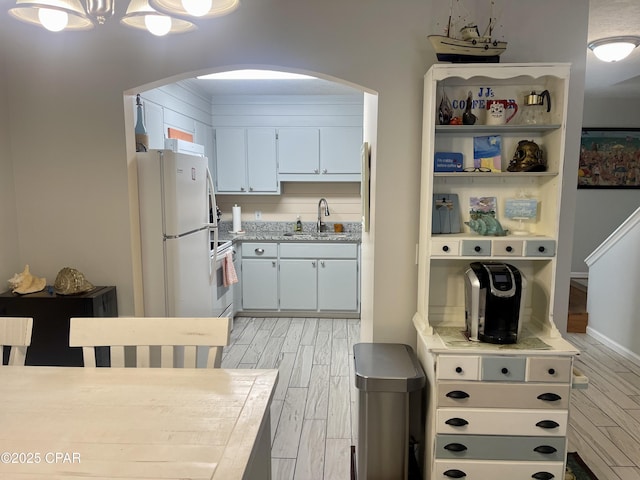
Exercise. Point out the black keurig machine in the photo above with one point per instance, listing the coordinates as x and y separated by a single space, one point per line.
493 302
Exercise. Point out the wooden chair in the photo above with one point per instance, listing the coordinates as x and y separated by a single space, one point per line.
15 333
159 341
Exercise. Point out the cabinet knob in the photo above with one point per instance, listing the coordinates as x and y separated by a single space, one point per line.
458 369
273 264
546 449
477 248
541 249
456 447
322 263
552 371
457 394
445 248
542 476
457 422
316 171
549 397
242 189
251 189
259 251
509 249
313 264
547 424
454 473
324 170
504 370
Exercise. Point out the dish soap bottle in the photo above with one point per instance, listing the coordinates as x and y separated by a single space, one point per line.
142 139
298 224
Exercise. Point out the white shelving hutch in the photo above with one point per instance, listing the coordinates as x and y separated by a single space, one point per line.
508 390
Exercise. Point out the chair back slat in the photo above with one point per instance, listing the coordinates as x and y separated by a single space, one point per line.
146 332
15 332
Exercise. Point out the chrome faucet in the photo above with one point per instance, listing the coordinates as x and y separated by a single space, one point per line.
320 225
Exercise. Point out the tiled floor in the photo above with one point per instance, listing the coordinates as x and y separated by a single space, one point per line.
313 414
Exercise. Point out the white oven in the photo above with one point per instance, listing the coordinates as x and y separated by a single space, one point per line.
222 296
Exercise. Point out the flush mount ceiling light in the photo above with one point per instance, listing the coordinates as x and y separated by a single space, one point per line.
614 49
171 17
195 8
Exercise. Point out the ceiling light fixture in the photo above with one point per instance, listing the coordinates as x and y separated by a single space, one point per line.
614 49
171 16
250 74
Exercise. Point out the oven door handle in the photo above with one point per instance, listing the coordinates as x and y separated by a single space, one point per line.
213 257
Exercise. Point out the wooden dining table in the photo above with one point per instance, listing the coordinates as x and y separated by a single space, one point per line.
135 423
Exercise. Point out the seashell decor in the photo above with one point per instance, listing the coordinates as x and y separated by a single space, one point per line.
26 283
70 281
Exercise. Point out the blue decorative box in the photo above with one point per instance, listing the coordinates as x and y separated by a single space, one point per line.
448 162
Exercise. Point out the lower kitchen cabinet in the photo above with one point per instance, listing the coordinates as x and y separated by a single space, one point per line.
300 276
259 276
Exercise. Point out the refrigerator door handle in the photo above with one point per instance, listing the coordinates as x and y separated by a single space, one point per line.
213 257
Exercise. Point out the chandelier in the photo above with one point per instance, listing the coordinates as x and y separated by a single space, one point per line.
160 17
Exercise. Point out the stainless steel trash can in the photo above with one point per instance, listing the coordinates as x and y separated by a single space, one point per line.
387 376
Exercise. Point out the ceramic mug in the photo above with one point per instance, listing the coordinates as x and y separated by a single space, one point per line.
500 112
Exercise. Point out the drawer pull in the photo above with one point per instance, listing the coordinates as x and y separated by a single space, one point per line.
547 424
454 474
543 476
552 371
259 251
459 370
549 397
477 248
457 394
445 248
504 370
457 422
546 449
456 447
541 249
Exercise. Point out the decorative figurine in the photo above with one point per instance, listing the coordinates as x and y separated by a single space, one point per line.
70 281
482 215
445 112
469 118
527 158
26 283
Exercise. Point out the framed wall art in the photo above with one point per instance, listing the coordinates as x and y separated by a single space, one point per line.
609 158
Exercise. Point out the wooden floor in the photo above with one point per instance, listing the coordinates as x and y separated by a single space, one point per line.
313 415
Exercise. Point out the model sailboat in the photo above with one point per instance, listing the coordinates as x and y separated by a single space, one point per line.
468 45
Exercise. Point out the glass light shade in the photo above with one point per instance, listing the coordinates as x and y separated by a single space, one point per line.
140 9
159 25
197 8
30 12
614 49
181 8
53 20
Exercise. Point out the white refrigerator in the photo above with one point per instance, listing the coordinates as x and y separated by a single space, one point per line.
176 196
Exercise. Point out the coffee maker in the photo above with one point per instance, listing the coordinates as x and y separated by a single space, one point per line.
494 303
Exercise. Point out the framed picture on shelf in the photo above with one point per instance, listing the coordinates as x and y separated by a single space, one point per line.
609 158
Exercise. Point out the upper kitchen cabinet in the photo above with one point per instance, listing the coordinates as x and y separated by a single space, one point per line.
320 154
246 161
154 121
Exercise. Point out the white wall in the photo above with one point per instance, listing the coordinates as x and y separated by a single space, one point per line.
599 212
613 302
9 258
70 147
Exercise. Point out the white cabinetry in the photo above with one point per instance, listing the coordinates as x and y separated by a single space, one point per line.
461 438
260 276
154 121
246 160
319 153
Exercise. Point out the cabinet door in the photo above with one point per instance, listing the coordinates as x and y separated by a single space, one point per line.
299 150
340 150
260 283
298 284
338 285
231 169
204 136
262 166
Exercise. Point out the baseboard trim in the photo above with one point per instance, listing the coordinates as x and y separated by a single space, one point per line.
625 352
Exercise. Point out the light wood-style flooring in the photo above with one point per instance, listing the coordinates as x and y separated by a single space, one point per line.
313 416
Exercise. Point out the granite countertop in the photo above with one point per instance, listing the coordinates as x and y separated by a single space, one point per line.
283 232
